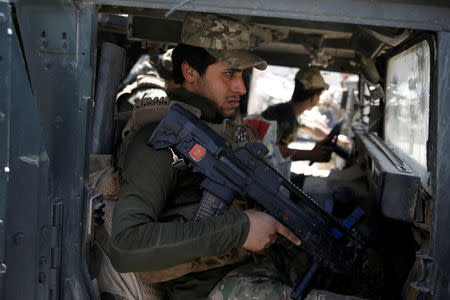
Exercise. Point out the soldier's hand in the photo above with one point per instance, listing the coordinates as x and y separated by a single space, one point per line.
320 152
343 140
264 231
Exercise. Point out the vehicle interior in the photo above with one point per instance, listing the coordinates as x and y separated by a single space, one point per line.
389 93
386 114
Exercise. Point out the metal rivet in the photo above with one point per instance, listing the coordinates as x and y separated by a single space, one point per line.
19 237
45 64
58 122
2 19
42 260
44 42
42 277
2 117
44 45
72 66
64 41
3 268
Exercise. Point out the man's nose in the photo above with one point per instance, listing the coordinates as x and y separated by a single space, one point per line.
238 86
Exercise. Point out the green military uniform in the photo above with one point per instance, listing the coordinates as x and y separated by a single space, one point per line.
287 124
150 185
140 243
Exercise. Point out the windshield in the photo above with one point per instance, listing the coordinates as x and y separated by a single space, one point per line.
407 106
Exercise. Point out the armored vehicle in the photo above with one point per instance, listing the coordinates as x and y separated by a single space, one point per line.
61 64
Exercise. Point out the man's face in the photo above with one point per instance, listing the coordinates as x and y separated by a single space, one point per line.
223 85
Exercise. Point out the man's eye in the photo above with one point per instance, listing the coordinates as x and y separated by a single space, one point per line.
229 74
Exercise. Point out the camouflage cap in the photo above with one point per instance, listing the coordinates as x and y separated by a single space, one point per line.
225 39
311 79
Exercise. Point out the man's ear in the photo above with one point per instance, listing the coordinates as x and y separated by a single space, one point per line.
189 73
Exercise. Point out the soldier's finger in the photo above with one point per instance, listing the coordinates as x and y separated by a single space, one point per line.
284 231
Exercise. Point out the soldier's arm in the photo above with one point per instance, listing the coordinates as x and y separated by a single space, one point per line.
320 153
139 242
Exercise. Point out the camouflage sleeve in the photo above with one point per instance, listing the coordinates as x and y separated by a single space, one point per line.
285 133
138 242
270 113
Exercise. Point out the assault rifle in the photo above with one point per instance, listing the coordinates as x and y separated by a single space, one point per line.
243 172
331 141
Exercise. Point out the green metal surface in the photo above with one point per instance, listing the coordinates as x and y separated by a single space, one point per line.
24 180
60 56
5 103
442 200
429 15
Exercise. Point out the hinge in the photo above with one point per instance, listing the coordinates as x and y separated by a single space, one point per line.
55 248
427 276
95 220
96 212
422 210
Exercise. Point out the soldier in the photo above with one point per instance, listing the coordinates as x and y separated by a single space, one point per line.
309 85
191 258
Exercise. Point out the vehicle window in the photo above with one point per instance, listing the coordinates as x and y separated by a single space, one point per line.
366 104
276 84
408 105
269 87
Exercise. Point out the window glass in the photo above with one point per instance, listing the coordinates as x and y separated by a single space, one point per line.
407 106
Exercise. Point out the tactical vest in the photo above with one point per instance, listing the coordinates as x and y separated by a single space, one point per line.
150 111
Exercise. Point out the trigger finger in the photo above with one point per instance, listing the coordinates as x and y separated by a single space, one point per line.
284 231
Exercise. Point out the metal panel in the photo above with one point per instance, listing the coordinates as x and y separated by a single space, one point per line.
397 187
428 15
301 60
5 103
110 72
24 175
59 41
442 199
156 29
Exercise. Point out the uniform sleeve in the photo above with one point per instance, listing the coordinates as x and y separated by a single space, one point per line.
138 242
